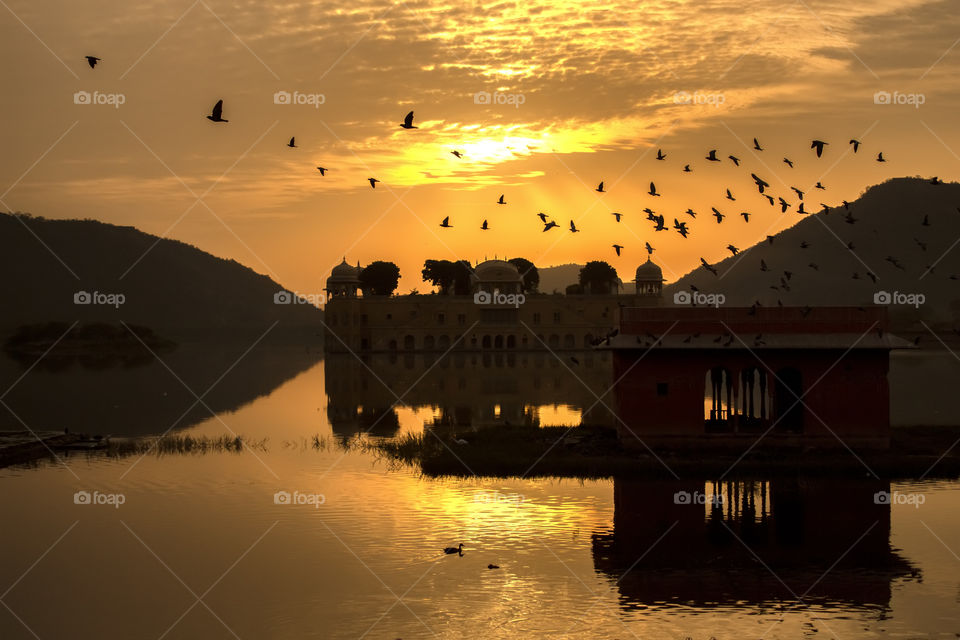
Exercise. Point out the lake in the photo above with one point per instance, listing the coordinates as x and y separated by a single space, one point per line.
293 540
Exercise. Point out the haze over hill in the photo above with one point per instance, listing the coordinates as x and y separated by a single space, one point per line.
171 287
904 231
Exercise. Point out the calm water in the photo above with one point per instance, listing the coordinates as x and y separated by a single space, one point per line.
201 549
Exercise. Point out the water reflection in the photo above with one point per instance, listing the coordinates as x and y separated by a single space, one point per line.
809 540
469 390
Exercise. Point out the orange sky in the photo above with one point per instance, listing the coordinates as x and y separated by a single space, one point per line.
587 92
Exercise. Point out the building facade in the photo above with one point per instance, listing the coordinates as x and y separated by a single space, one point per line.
497 315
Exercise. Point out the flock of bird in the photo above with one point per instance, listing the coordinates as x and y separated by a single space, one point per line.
659 220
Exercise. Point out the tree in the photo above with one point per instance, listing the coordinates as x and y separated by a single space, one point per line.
379 278
462 285
438 273
598 277
531 277
574 290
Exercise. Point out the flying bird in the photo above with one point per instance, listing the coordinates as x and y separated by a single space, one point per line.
719 216
880 157
92 61
501 200
681 227
730 195
653 189
649 248
573 228
457 153
484 226
769 199
691 213
800 209
820 186
798 192
735 159
818 145
708 267
856 145
543 217
550 225
784 205
756 145
292 143
687 168
217 113
446 223
761 183
408 121
373 182
600 187
322 170
617 215
746 216
732 249
660 155
712 156
788 162
617 248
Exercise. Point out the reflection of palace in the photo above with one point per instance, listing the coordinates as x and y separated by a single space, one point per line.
824 539
491 318
470 390
689 374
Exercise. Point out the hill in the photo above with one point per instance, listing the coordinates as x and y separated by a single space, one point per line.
904 235
93 272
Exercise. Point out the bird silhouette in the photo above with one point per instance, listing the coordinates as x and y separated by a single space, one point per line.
617 248
446 223
770 239
746 216
373 182
769 199
573 228
820 186
292 144
217 114
926 220
543 217
735 159
730 195
653 190
761 183
501 200
804 244
732 249
935 180
880 157
408 121
784 205
322 170
788 162
600 187
708 267
818 145
686 168
493 566
660 155
756 145
798 192
712 156
691 213
719 216
856 145
457 153
452 550
617 215
649 248
550 225
800 209
92 61
681 227
484 226
763 265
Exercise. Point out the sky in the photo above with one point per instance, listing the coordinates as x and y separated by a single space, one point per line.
543 99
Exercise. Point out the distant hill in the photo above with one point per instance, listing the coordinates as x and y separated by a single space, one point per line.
888 225
558 277
175 289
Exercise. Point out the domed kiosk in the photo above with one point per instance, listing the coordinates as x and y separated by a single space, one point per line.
649 279
496 276
344 280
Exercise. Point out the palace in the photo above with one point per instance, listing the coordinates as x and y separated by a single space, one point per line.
497 315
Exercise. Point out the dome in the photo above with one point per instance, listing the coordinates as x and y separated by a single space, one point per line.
343 272
648 272
496 271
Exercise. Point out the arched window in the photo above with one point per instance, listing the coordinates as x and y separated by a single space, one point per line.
718 399
392 345
511 342
485 343
428 343
754 396
554 341
409 344
569 342
444 342
498 342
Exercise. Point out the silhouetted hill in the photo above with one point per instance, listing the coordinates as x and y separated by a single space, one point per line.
558 277
171 287
889 226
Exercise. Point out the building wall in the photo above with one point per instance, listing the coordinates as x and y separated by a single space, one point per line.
435 322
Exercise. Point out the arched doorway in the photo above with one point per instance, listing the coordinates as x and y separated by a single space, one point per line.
718 401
